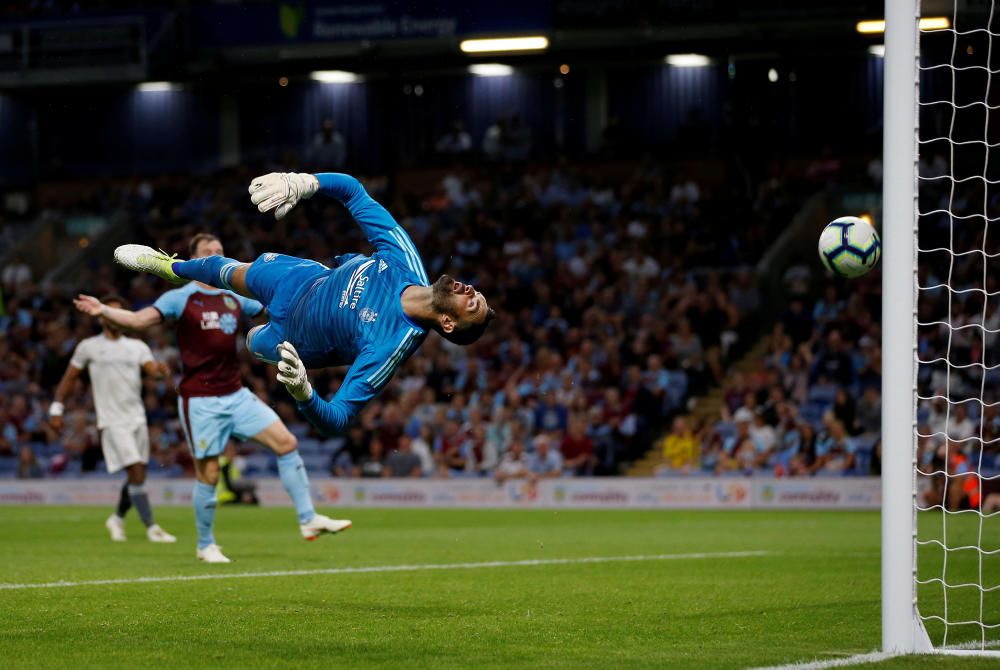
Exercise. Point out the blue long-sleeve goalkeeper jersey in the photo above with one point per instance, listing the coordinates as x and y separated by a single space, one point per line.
353 312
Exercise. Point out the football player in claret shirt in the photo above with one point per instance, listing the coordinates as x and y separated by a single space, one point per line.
212 402
369 312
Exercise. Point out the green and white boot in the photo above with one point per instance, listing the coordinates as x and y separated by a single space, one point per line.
141 258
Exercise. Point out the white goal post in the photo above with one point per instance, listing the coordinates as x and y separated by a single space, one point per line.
903 621
901 628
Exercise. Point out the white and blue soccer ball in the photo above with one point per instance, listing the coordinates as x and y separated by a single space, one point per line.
849 246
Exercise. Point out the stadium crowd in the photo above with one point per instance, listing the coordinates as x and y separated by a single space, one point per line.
620 296
812 405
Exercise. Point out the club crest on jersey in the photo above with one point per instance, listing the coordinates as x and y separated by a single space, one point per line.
367 315
229 302
228 324
382 265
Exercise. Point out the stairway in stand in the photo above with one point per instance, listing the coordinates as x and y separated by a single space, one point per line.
705 408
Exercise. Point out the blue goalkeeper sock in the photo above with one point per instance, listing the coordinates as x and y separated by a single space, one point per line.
293 476
215 271
204 513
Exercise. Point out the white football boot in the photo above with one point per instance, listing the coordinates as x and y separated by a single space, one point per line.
320 524
157 534
141 258
212 554
116 526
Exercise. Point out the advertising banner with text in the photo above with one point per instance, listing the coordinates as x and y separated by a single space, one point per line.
582 493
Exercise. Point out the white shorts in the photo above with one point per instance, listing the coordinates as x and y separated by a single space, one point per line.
124 446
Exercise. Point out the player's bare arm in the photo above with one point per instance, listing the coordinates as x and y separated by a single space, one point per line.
57 408
156 369
142 319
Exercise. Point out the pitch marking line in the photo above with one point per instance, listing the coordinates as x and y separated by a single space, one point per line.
389 568
875 657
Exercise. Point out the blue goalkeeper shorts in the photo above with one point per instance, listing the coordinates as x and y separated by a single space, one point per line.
277 281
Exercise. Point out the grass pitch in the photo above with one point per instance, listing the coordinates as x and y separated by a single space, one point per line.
813 596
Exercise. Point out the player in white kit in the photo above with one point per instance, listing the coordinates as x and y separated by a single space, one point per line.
115 364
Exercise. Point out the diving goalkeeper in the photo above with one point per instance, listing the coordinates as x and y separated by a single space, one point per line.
369 312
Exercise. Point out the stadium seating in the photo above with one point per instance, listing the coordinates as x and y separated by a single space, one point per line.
619 229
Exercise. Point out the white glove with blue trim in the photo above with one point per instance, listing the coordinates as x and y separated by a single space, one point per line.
292 373
281 191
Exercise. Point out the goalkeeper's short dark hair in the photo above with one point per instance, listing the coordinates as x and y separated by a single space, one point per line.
469 334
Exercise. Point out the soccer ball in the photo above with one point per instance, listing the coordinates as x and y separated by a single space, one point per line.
849 246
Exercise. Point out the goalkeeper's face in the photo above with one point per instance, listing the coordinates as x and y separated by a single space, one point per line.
463 311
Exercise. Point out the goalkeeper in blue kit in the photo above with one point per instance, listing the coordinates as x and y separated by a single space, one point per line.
369 312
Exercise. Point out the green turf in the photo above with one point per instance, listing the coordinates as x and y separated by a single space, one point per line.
815 596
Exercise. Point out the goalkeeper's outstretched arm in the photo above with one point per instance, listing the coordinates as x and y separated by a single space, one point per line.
328 417
281 191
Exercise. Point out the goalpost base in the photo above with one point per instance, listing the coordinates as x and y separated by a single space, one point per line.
921 640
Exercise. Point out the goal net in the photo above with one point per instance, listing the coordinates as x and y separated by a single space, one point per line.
955 413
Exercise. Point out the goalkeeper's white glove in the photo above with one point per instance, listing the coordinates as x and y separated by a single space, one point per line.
281 191
292 373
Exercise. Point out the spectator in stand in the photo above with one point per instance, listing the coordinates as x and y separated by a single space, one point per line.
640 266
545 462
513 465
81 440
779 348
829 308
743 293
833 362
402 462
551 416
735 392
329 149
353 451
577 448
963 488
481 457
680 447
27 465
496 140
15 276
795 379
869 412
740 452
449 450
421 446
834 450
844 410
798 322
960 426
764 437
373 464
456 141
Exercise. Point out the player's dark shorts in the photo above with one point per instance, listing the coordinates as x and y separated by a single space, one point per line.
277 281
